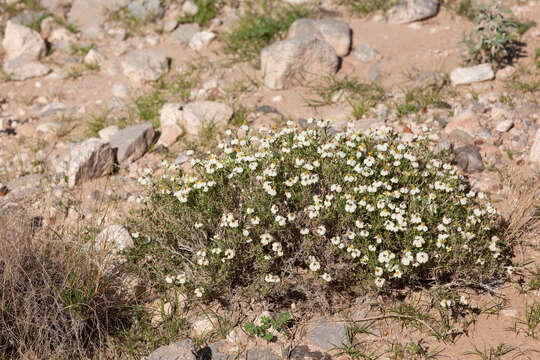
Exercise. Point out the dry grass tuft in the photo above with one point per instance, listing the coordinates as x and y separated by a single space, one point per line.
54 303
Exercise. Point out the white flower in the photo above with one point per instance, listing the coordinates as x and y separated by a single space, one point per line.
266 238
445 303
198 225
199 292
314 266
169 279
463 300
326 277
229 253
304 231
274 209
291 216
422 257
255 220
321 230
249 211
418 241
379 282
271 278
378 271
281 220
135 235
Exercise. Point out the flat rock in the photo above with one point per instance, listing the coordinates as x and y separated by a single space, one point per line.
534 155
90 159
203 113
55 108
185 32
297 60
469 159
146 10
180 350
504 125
407 11
468 75
21 69
327 335
336 32
365 53
145 65
132 142
466 121
22 42
303 352
201 40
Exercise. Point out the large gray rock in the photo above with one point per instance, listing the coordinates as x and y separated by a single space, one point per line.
185 32
469 159
21 68
327 335
406 11
146 9
203 113
90 159
145 65
22 42
261 354
132 142
297 60
336 32
534 155
180 350
467 75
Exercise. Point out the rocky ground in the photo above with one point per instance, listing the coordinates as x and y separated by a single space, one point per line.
93 92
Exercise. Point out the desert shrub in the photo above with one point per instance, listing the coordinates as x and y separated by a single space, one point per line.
309 211
54 303
493 37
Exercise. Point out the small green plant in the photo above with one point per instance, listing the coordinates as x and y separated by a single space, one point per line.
207 11
493 37
418 99
266 324
353 347
492 353
537 58
532 319
95 124
360 96
70 27
258 28
466 8
146 108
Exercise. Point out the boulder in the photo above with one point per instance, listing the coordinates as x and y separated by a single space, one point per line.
22 42
297 60
90 159
202 113
145 65
185 32
132 142
407 11
469 159
336 32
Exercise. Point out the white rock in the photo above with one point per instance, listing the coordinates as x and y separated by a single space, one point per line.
202 113
171 113
201 39
145 65
94 57
170 134
297 60
504 126
406 11
21 41
61 35
202 326
534 155
190 8
114 238
467 75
